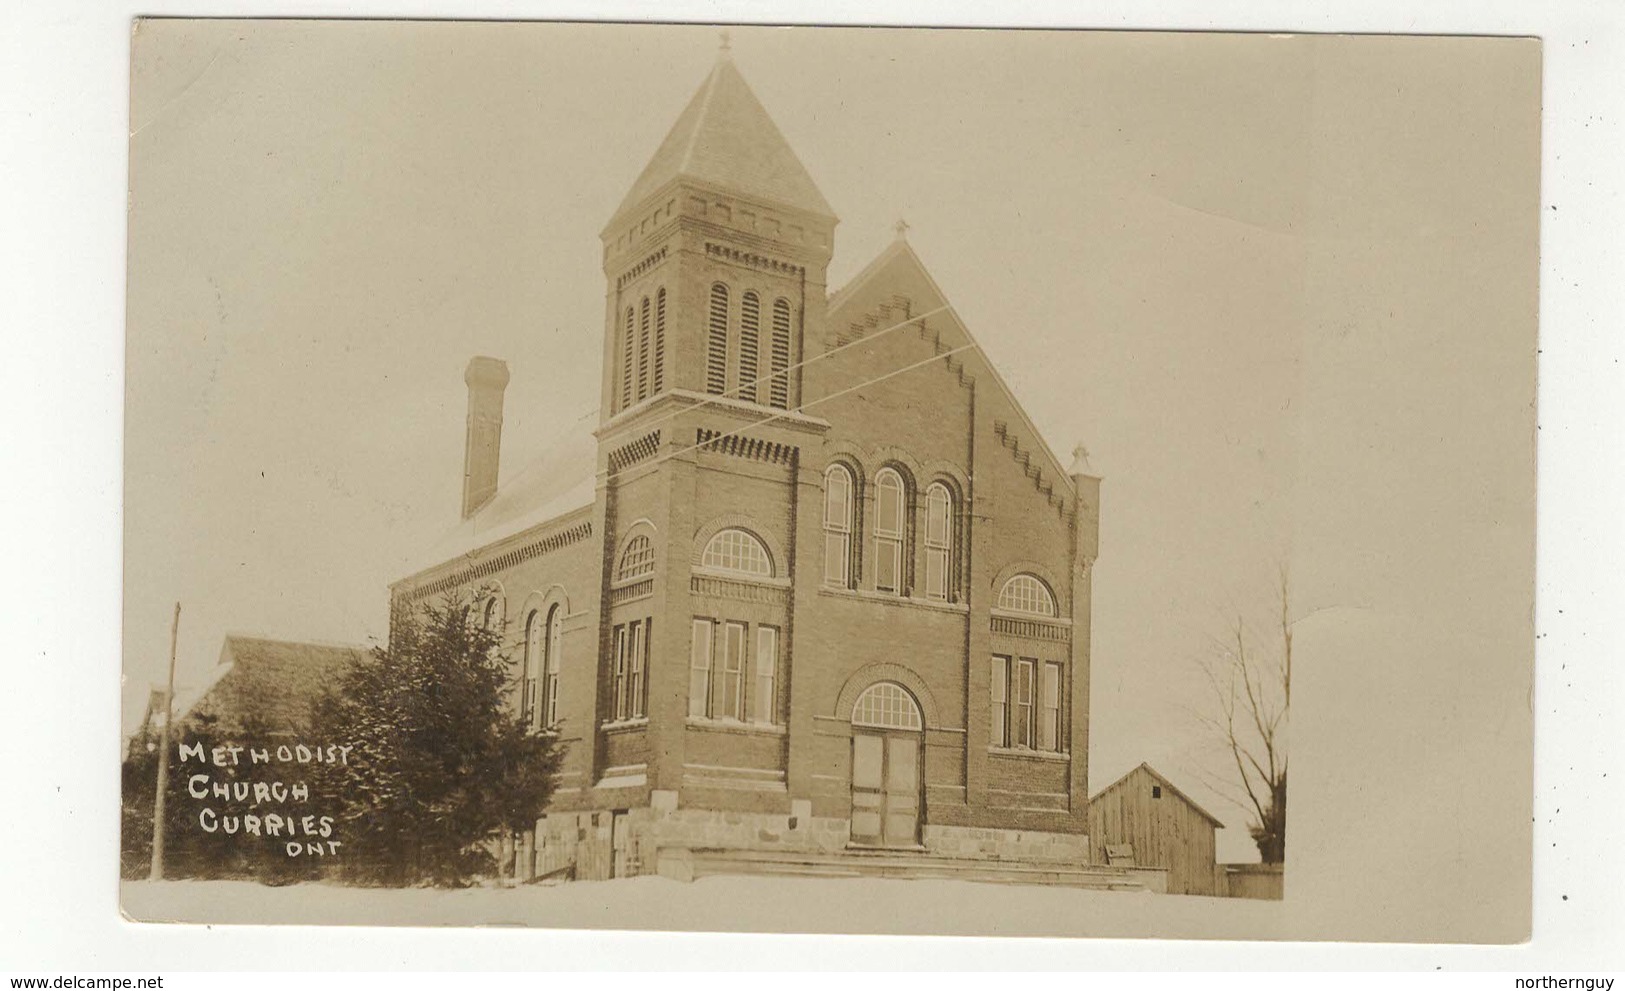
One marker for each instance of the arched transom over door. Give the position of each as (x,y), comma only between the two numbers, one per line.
(887,737)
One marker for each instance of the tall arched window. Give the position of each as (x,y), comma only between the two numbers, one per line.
(716,347)
(535,649)
(626,361)
(1028,594)
(939,514)
(550,678)
(491,616)
(779,389)
(637,560)
(838,489)
(660,341)
(643,349)
(888,531)
(737,551)
(750,337)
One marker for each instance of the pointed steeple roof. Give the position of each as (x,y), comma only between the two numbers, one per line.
(725,137)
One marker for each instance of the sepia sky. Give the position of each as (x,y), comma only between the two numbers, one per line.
(1142,231)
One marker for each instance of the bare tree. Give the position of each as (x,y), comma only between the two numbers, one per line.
(1252,688)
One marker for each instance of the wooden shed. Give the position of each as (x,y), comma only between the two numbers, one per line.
(1142,819)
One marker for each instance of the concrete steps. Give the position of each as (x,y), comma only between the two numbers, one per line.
(906,864)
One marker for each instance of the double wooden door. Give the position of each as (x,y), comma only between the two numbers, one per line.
(885,787)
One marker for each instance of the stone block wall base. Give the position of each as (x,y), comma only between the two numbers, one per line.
(660,839)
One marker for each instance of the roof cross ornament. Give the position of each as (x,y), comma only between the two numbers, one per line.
(727,44)
(901,228)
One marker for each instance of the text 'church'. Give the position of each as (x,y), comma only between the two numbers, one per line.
(814,595)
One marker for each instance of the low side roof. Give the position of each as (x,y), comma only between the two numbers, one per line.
(559,481)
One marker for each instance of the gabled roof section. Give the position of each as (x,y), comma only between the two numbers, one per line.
(724,137)
(1162,780)
(899,271)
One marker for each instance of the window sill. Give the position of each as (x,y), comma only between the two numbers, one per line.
(744,578)
(1029,617)
(624,725)
(890,599)
(1058,756)
(735,726)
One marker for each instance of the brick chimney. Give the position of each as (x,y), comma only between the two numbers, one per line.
(487,378)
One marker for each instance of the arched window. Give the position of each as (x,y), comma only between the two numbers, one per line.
(539,694)
(534,660)
(750,336)
(550,678)
(1028,594)
(637,560)
(838,526)
(491,616)
(939,514)
(643,349)
(626,361)
(888,531)
(716,348)
(779,359)
(889,705)
(737,551)
(660,342)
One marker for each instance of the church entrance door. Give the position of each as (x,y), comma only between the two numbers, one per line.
(887,767)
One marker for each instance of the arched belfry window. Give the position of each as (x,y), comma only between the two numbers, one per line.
(889,500)
(737,551)
(779,358)
(643,350)
(637,559)
(889,705)
(838,489)
(628,353)
(750,338)
(716,346)
(660,341)
(1027,594)
(939,542)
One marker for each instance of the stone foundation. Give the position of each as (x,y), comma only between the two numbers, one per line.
(602,845)
(1026,846)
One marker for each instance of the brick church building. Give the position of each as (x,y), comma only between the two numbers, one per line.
(813,592)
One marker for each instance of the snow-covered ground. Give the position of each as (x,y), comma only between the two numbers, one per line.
(740,904)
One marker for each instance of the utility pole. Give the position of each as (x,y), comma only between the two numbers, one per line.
(163,756)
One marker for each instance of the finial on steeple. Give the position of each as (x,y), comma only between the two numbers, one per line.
(902,229)
(725,49)
(1080,461)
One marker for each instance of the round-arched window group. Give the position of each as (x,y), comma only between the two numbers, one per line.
(539,687)
(891,535)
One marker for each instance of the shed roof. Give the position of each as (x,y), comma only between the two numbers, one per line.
(1163,780)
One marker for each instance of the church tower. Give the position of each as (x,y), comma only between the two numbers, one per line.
(715,261)
(715,267)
